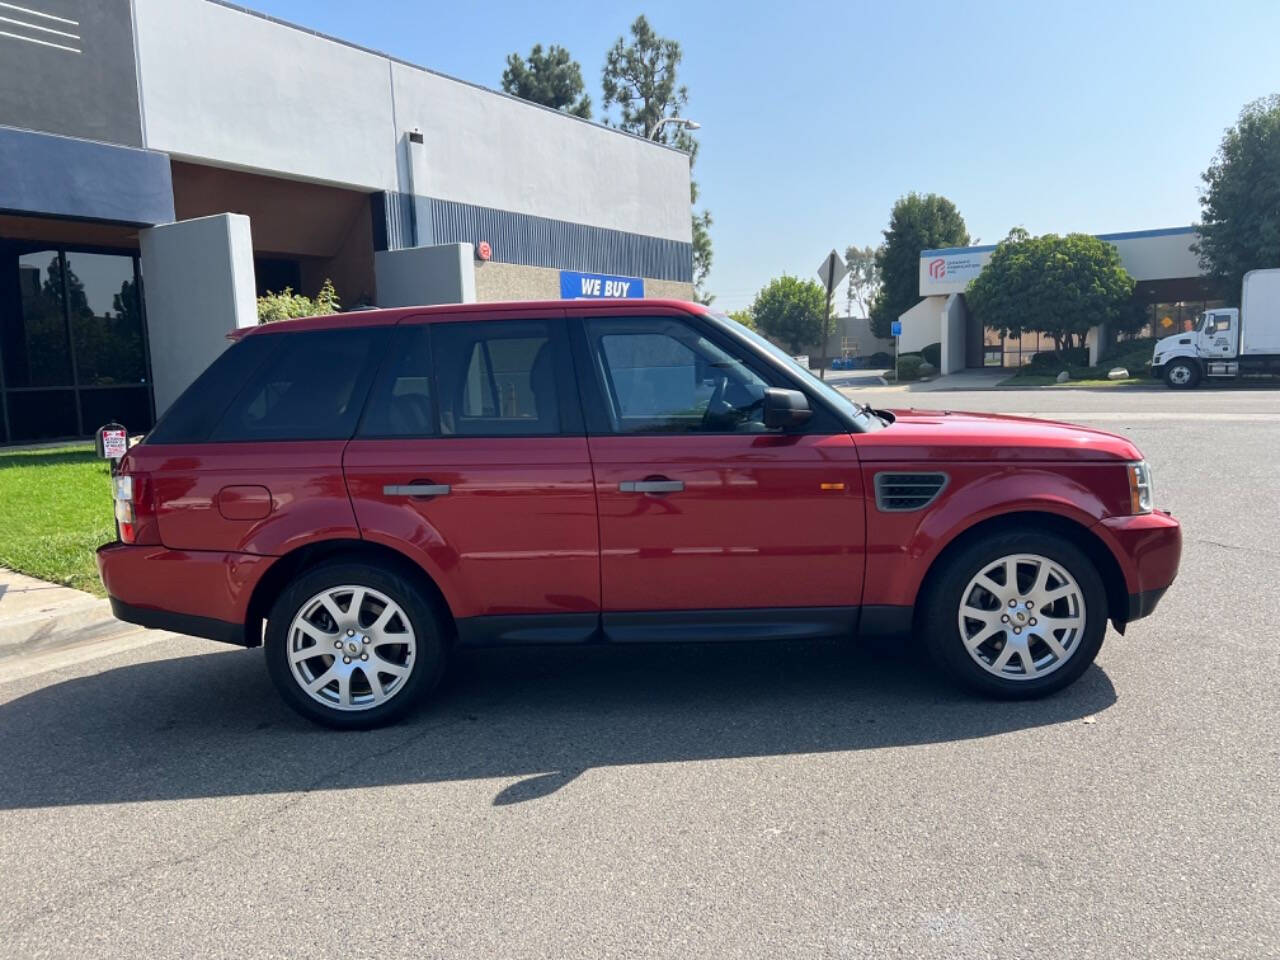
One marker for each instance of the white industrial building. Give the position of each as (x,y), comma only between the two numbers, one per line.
(1170,285)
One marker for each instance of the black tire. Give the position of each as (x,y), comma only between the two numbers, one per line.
(1182,374)
(426,665)
(940,628)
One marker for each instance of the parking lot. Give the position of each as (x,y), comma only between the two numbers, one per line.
(807,800)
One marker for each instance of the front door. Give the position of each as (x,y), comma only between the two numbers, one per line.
(745,531)
(1221,336)
(471,454)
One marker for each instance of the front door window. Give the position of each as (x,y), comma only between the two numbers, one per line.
(663,376)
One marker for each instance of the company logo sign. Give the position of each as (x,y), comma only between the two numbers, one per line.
(599,286)
(946,272)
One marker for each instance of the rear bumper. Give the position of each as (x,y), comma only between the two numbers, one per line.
(200,593)
(221,630)
(1148,548)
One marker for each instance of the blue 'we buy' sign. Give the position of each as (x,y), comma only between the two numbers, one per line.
(599,286)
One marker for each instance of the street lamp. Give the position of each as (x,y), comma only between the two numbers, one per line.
(681,121)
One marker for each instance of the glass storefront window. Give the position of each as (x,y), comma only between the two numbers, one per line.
(34,340)
(106,319)
(41,414)
(70,320)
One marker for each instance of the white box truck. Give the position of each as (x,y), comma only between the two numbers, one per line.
(1227,342)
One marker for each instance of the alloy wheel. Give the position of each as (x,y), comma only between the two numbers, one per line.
(1022,616)
(351,647)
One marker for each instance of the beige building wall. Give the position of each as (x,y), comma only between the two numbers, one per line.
(511,281)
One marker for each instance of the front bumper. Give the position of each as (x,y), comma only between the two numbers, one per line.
(1148,548)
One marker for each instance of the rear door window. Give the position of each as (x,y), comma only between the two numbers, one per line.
(401,402)
(311,388)
(501,378)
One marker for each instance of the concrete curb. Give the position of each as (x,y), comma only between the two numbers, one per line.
(36,616)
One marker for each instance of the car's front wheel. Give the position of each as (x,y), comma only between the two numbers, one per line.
(353,646)
(1016,615)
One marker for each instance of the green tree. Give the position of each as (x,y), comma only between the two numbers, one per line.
(1057,286)
(918,222)
(551,78)
(640,78)
(791,311)
(1240,205)
(744,317)
(864,279)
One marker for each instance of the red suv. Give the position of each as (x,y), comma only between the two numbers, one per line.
(360,493)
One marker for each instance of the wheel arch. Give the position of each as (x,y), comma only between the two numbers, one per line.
(286,568)
(1094,547)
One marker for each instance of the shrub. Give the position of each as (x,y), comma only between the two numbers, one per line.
(879,359)
(286,304)
(1127,349)
(909,365)
(1047,361)
(932,354)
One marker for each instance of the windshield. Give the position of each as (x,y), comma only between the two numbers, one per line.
(866,419)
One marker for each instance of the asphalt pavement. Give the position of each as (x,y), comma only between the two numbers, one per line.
(798,800)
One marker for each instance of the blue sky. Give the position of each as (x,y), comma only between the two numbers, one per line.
(1088,116)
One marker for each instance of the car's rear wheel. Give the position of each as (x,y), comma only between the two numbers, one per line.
(1016,615)
(1182,374)
(353,646)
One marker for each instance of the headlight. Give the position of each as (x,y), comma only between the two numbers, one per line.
(1156,361)
(1141,493)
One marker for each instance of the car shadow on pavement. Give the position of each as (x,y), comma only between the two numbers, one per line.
(211,725)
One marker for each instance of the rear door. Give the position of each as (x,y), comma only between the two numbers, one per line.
(706,514)
(472,456)
(249,459)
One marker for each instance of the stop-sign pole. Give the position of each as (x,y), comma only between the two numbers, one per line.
(831,271)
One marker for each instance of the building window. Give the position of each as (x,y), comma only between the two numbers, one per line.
(73,348)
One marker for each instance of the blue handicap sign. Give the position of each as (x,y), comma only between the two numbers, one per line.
(895,328)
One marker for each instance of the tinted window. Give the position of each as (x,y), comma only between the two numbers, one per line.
(311,388)
(36,351)
(106,319)
(400,402)
(664,376)
(193,415)
(497,379)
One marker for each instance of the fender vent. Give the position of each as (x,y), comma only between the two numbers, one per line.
(898,492)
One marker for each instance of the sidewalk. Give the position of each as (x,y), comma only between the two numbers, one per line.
(41,621)
(964,380)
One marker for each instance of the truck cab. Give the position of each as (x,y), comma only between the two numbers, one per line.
(1184,358)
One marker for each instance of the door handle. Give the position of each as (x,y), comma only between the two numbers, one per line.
(415,489)
(651,486)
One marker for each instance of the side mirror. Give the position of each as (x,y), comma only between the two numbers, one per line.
(785,408)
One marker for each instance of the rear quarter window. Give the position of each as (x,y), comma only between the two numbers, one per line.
(311,387)
(198,409)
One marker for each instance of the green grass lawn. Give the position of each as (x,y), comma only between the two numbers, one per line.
(55,509)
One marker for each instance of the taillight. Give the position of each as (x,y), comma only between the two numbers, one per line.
(135,508)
